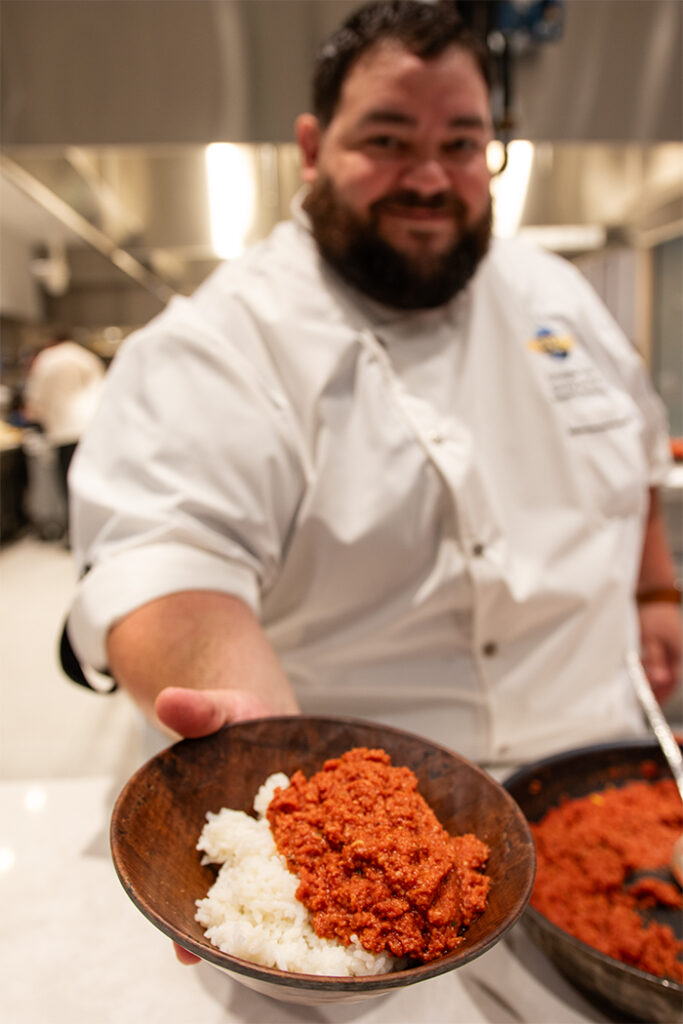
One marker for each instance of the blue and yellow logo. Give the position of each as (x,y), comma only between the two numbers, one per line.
(558,346)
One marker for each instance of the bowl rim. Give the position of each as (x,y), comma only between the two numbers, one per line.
(610,962)
(373,982)
(645,745)
(635,743)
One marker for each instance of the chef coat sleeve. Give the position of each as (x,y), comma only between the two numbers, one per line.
(188,477)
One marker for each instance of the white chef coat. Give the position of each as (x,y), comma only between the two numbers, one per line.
(437,516)
(62,390)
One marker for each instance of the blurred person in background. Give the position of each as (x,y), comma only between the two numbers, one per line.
(62,390)
(384,465)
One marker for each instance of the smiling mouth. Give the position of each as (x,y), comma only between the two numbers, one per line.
(435,211)
(418,213)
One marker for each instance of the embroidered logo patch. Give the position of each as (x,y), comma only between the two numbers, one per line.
(547,341)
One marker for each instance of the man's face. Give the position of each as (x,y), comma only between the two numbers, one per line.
(400,200)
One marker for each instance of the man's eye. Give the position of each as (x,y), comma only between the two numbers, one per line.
(464,146)
(387,143)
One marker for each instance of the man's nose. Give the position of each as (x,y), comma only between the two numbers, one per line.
(426,177)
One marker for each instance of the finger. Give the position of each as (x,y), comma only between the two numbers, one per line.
(194,713)
(184,956)
(191,712)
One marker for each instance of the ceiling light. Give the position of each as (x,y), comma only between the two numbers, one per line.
(566,237)
(230,179)
(509,188)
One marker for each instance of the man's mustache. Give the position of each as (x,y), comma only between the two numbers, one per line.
(442,201)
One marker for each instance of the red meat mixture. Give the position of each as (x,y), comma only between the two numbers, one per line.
(588,850)
(373,861)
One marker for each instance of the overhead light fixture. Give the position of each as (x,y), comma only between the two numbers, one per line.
(566,237)
(230,177)
(509,188)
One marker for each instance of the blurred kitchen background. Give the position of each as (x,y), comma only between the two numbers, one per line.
(144,141)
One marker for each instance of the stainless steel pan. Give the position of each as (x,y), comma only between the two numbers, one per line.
(542,785)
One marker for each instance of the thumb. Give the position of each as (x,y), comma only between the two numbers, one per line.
(193,713)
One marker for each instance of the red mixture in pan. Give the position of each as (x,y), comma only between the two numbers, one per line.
(373,860)
(594,855)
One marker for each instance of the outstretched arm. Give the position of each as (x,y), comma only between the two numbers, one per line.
(197,660)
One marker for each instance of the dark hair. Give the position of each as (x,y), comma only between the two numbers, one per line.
(425,29)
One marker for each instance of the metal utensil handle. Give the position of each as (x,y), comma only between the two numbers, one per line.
(660,726)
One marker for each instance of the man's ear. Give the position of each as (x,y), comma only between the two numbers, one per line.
(307,130)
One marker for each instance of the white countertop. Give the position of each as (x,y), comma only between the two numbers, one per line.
(75,948)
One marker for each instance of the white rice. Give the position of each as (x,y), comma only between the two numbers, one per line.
(251,910)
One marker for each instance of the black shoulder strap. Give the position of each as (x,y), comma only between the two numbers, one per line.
(73,669)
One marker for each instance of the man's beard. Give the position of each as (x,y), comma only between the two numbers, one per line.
(357,252)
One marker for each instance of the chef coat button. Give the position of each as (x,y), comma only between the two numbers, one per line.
(477,549)
(436,437)
(489,649)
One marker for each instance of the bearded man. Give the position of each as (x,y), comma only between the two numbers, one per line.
(383,465)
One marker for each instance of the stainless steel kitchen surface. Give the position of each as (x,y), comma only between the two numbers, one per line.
(154,202)
(199,71)
(108,109)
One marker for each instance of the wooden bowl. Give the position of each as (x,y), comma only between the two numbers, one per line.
(538,787)
(160,812)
